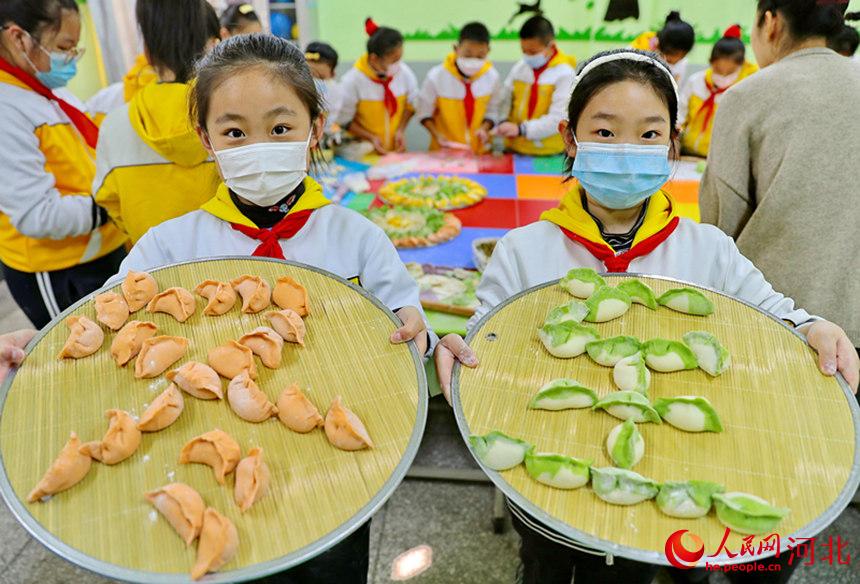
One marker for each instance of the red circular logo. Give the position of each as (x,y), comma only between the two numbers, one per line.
(681,557)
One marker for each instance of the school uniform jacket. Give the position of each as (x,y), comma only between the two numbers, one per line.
(46,211)
(647,41)
(443,98)
(553,92)
(362,100)
(150,164)
(666,245)
(700,99)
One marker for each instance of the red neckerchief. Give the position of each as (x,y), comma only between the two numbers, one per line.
(468,102)
(710,105)
(389,99)
(284,229)
(81,121)
(620,263)
(533,95)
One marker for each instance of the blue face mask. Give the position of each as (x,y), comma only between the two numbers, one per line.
(620,176)
(61,72)
(535,61)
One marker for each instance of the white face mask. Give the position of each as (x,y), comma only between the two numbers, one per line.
(724,80)
(393,69)
(470,65)
(535,61)
(264,173)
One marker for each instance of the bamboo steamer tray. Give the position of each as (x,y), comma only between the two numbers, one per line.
(790,433)
(318,494)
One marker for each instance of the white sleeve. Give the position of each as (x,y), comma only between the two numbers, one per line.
(547,125)
(147,254)
(684,103)
(334,97)
(506,97)
(499,282)
(106,100)
(426,100)
(385,276)
(496,104)
(743,280)
(411,89)
(348,100)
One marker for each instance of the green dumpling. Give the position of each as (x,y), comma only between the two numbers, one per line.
(566,339)
(639,292)
(606,304)
(622,487)
(631,374)
(625,445)
(667,356)
(689,412)
(574,310)
(688,301)
(748,514)
(582,282)
(563,394)
(557,470)
(628,405)
(713,358)
(687,500)
(608,352)
(499,451)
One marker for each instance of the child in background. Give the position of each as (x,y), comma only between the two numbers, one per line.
(149,141)
(379,93)
(704,90)
(618,135)
(536,91)
(673,42)
(846,41)
(458,101)
(115,95)
(322,60)
(239,19)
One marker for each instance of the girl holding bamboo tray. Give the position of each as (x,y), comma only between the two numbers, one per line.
(258,114)
(618,135)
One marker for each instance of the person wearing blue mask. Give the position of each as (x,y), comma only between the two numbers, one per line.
(619,136)
(56,243)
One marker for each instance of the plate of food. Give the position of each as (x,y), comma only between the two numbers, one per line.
(618,410)
(411,227)
(229,418)
(436,192)
(443,289)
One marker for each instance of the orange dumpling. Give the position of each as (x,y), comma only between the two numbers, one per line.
(220,295)
(128,341)
(120,441)
(111,310)
(177,302)
(266,344)
(85,338)
(67,470)
(231,358)
(138,288)
(157,354)
(255,292)
(163,411)
(290,294)
(198,380)
(216,449)
(219,542)
(252,479)
(248,401)
(289,325)
(343,428)
(182,506)
(297,412)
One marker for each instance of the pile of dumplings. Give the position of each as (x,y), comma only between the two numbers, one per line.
(632,361)
(154,355)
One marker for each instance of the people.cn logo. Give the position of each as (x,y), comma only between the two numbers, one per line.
(678,554)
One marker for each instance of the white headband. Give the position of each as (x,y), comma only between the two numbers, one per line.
(624,56)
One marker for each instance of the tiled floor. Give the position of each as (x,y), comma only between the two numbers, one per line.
(454,519)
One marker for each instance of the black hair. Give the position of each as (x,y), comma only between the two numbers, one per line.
(537,27)
(383,41)
(729,48)
(176,33)
(475,32)
(846,41)
(326,53)
(676,36)
(237,14)
(35,16)
(807,18)
(655,74)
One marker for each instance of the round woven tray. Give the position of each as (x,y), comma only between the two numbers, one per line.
(318,494)
(790,433)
